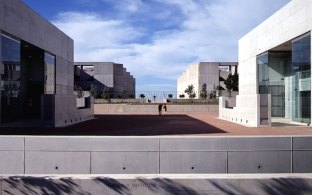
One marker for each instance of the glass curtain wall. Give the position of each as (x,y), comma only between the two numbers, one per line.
(10,78)
(287,77)
(301,79)
(27,72)
(273,67)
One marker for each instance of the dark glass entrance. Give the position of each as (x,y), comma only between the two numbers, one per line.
(32,77)
(27,72)
(10,79)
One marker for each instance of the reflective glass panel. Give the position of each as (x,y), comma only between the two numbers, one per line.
(10,78)
(49,69)
(301,81)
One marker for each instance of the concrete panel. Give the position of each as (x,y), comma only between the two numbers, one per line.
(124,162)
(221,144)
(259,162)
(302,161)
(90,144)
(192,162)
(57,162)
(58,47)
(302,143)
(37,28)
(70,51)
(11,143)
(16,20)
(1,14)
(11,162)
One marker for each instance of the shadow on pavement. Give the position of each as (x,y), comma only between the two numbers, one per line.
(123,125)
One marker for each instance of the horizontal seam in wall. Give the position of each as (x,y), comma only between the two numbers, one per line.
(273,150)
(89,151)
(277,150)
(12,150)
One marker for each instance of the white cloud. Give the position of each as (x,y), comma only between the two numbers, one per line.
(126,5)
(209,32)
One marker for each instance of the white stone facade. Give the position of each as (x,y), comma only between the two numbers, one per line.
(290,22)
(204,73)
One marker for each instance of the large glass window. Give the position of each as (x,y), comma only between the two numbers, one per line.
(10,78)
(272,68)
(286,76)
(263,73)
(49,71)
(301,87)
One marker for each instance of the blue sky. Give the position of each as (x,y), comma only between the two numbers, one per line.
(156,39)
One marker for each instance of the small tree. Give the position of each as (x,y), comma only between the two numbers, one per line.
(213,93)
(105,94)
(219,91)
(79,91)
(231,83)
(182,96)
(190,91)
(93,91)
(235,82)
(203,92)
(154,97)
(142,96)
(170,96)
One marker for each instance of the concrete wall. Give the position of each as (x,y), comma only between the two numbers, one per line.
(22,22)
(189,77)
(209,75)
(125,108)
(158,184)
(67,112)
(112,75)
(199,74)
(155,155)
(293,20)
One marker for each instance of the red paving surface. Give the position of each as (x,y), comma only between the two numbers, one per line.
(146,124)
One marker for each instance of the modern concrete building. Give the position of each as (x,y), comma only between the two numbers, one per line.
(275,69)
(37,77)
(108,76)
(212,74)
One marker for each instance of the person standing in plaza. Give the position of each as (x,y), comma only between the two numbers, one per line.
(165,108)
(160,109)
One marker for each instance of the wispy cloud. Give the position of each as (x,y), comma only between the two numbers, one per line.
(162,44)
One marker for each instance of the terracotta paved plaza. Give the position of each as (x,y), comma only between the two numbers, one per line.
(147,124)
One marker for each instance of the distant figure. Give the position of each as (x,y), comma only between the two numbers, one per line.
(159,109)
(165,108)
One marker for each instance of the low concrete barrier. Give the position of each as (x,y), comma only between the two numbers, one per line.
(158,184)
(153,108)
(155,155)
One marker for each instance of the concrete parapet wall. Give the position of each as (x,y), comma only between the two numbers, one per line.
(64,110)
(158,184)
(120,101)
(153,108)
(242,113)
(155,155)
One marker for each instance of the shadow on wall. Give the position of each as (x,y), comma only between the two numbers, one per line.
(39,185)
(105,185)
(121,125)
(280,186)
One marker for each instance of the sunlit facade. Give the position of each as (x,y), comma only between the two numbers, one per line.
(275,70)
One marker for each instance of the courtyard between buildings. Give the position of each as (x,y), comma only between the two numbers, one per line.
(172,123)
